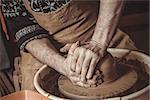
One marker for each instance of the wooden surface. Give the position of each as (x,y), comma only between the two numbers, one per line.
(24,95)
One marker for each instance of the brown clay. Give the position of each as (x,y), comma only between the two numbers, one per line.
(50,84)
(108,68)
(117,79)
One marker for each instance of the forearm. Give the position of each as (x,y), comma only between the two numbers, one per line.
(44,51)
(108,18)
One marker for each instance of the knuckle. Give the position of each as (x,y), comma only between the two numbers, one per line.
(75,57)
(77,50)
(95,54)
(84,49)
(89,51)
(95,58)
(68,44)
(92,53)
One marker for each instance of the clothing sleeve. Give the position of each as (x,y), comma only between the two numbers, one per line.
(29,33)
(21,26)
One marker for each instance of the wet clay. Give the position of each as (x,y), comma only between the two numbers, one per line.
(49,81)
(104,90)
(116,79)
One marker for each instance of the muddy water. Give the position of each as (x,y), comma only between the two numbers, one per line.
(48,81)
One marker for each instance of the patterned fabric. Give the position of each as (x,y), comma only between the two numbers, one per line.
(46,6)
(13,8)
(26,30)
(21,26)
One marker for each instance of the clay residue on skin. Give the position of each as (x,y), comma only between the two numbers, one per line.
(49,81)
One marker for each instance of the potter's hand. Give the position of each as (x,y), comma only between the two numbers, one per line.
(84,62)
(72,75)
(93,82)
(95,47)
(85,59)
(68,62)
(97,52)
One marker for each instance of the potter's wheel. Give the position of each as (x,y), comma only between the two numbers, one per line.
(102,91)
(46,84)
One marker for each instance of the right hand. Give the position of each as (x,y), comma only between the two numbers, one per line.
(76,78)
(95,81)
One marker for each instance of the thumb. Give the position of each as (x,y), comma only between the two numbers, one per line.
(66,48)
(69,46)
(73,47)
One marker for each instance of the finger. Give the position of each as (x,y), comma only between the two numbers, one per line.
(65,48)
(73,47)
(80,61)
(75,79)
(85,67)
(74,74)
(83,84)
(74,60)
(69,62)
(93,80)
(92,67)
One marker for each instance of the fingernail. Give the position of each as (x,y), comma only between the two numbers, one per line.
(88,77)
(77,42)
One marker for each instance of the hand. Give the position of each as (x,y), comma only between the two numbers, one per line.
(91,45)
(93,53)
(68,62)
(95,81)
(75,73)
(84,62)
(95,47)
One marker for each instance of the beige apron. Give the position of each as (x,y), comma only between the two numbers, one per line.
(73,22)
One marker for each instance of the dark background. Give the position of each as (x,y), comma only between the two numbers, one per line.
(135,22)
